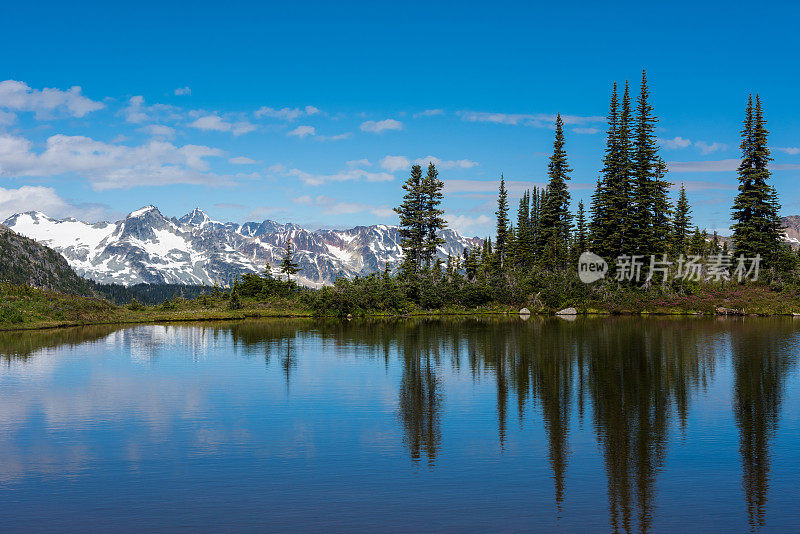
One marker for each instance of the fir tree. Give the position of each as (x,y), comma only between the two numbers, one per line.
(289,267)
(523,257)
(757,227)
(502,223)
(651,206)
(431,214)
(681,224)
(555,219)
(412,223)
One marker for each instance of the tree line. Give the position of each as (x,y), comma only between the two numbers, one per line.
(631,212)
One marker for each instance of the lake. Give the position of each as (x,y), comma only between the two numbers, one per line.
(595,424)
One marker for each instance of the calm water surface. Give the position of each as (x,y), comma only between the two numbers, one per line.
(610,425)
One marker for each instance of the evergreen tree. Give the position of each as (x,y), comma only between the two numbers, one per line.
(555,219)
(757,226)
(681,224)
(611,201)
(413,228)
(289,267)
(431,214)
(502,223)
(524,250)
(651,206)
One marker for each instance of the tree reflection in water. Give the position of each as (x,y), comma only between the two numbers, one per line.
(634,379)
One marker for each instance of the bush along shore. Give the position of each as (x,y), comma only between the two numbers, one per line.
(255,296)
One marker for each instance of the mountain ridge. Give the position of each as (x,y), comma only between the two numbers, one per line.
(148,247)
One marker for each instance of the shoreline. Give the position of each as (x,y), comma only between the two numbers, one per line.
(215,315)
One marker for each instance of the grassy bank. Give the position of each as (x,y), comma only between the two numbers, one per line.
(26,308)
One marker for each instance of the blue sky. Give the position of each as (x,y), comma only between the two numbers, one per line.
(311,112)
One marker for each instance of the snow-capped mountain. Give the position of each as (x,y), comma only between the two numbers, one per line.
(148,247)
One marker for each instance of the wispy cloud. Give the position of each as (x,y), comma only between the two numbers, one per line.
(708,148)
(303,131)
(536,120)
(286,114)
(398,163)
(675,143)
(138,112)
(429,113)
(219,124)
(359,163)
(349,175)
(791,150)
(723,165)
(588,131)
(158,130)
(381,126)
(242,160)
(334,206)
(183,91)
(44,103)
(491,186)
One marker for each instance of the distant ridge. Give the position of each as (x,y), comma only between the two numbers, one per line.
(147,247)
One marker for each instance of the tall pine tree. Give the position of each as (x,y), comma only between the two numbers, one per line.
(412,223)
(501,239)
(555,220)
(431,214)
(651,205)
(681,224)
(757,227)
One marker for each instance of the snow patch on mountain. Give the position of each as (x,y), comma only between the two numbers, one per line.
(147,247)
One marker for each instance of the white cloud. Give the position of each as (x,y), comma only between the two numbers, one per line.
(7,118)
(464,223)
(587,131)
(359,163)
(303,131)
(343,176)
(380,126)
(18,96)
(725,165)
(181,91)
(241,160)
(429,113)
(158,130)
(395,163)
(111,166)
(220,124)
(399,163)
(339,137)
(333,206)
(537,120)
(446,164)
(675,142)
(708,148)
(286,114)
(791,150)
(513,186)
(45,200)
(138,112)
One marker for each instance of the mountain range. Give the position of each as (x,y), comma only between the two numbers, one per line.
(147,247)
